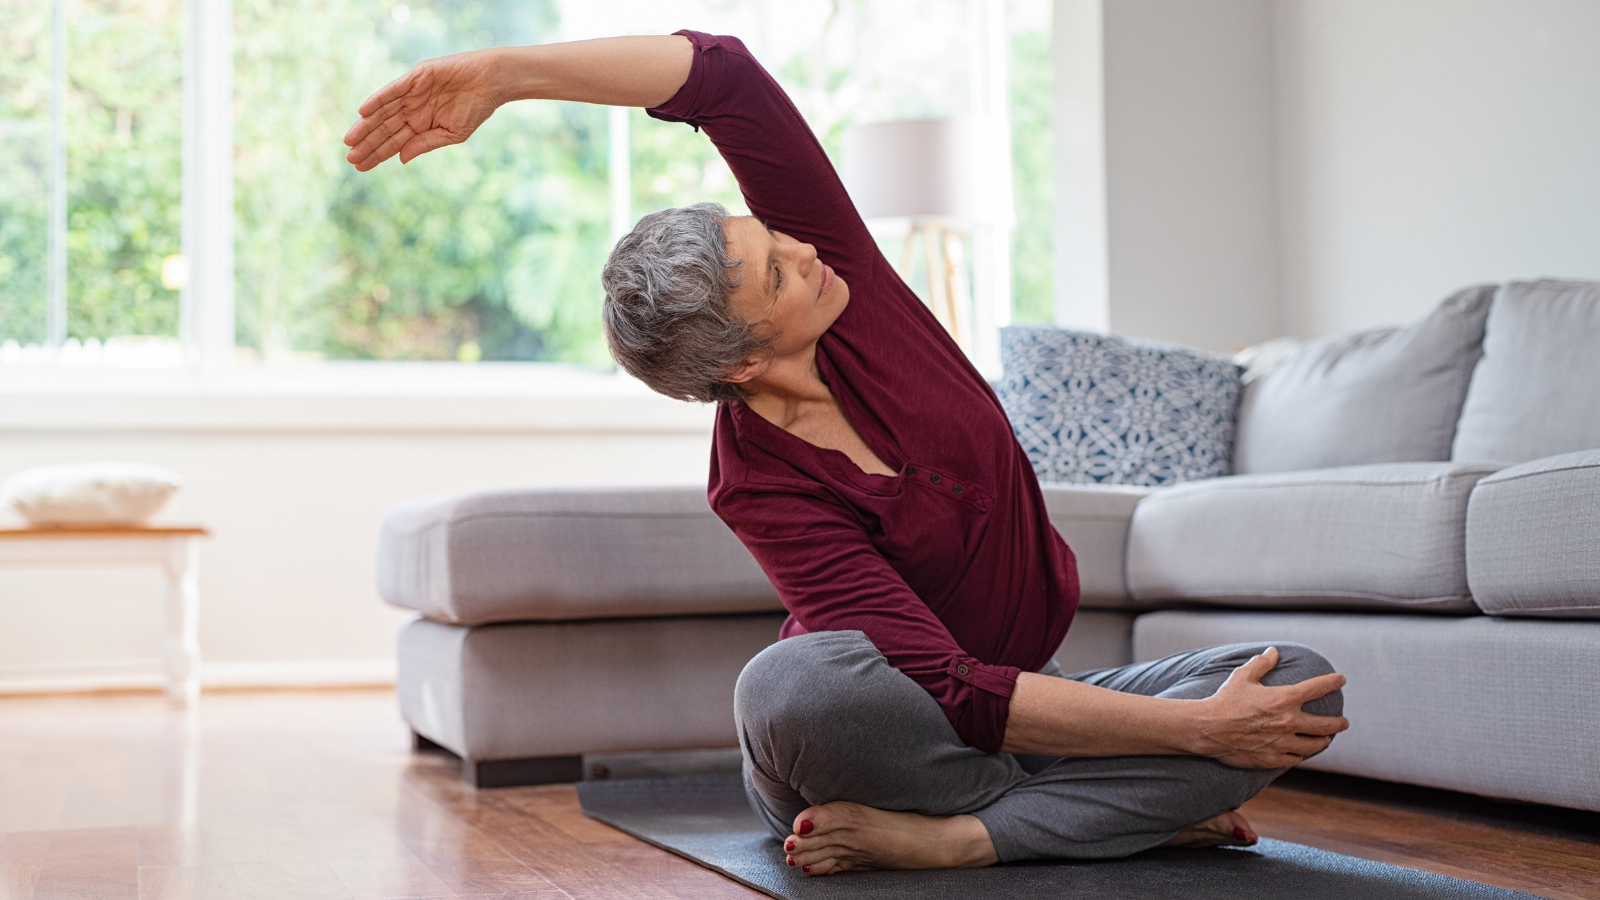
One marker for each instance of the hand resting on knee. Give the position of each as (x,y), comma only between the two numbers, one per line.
(1245,724)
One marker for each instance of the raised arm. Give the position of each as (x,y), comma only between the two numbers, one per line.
(787,179)
(710,82)
(443,101)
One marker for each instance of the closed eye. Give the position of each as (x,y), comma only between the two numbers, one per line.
(777,272)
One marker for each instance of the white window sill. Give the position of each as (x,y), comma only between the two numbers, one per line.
(342,397)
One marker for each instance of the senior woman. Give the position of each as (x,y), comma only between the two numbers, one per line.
(912,717)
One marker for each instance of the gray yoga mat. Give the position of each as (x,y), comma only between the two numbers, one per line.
(708,821)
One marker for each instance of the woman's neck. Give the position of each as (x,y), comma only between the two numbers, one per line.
(790,387)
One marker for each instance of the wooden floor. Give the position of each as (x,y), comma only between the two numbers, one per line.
(311,795)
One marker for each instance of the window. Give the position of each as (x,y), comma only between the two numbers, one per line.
(1032,271)
(485,251)
(90,200)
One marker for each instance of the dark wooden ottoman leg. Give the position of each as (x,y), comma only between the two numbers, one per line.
(420,744)
(490,773)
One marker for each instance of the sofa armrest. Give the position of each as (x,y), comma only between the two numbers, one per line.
(548,554)
(1093,520)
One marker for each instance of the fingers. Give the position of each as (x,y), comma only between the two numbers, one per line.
(1303,745)
(1320,686)
(1318,726)
(390,92)
(366,126)
(390,146)
(381,133)
(380,108)
(424,142)
(1257,666)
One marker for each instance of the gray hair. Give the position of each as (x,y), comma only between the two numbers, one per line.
(667,317)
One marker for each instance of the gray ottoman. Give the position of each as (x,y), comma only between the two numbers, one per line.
(555,623)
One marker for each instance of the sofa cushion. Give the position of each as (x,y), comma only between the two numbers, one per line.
(1093,520)
(1533,538)
(551,553)
(1387,536)
(1534,392)
(1491,706)
(1098,639)
(1102,409)
(1391,395)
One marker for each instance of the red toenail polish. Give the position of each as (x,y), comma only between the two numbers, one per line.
(806,869)
(789,847)
(1239,833)
(805,827)
(790,861)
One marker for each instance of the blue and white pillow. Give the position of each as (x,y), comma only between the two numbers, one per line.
(1102,409)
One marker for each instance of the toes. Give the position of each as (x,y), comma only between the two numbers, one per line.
(810,856)
(825,867)
(1240,828)
(822,819)
(806,822)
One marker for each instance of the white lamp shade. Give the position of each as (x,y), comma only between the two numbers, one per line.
(929,168)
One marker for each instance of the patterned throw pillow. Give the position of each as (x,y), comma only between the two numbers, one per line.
(1096,408)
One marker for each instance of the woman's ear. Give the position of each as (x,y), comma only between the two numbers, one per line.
(753,366)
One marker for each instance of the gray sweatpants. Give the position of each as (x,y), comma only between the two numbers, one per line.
(824,717)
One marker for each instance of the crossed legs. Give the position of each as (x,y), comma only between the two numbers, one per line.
(824,718)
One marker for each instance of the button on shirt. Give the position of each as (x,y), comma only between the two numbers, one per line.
(951,568)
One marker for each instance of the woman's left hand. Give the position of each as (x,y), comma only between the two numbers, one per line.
(1249,725)
(439,102)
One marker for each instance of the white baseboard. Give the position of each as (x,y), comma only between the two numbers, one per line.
(138,674)
(297,673)
(109,675)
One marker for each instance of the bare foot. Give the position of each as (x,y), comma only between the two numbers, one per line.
(1227,830)
(840,836)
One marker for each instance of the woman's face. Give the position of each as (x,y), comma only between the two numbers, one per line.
(784,288)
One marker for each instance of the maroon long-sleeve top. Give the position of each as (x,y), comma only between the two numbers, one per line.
(951,567)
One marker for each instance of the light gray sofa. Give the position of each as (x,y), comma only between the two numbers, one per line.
(1422,505)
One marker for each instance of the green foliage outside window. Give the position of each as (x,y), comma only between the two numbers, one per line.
(487,250)
(124,116)
(1032,275)
(24,168)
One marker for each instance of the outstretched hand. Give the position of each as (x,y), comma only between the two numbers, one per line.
(1250,725)
(439,102)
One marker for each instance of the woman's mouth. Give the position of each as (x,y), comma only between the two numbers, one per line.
(827,281)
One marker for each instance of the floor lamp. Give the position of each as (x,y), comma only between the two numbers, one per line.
(944,258)
(930,172)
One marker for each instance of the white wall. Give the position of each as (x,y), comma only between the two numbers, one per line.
(1430,144)
(1192,211)
(294,489)
(1166,210)
(1230,170)
(1078,122)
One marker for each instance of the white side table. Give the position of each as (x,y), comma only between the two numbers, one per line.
(175,550)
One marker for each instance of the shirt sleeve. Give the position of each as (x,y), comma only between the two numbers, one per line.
(831,578)
(785,176)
